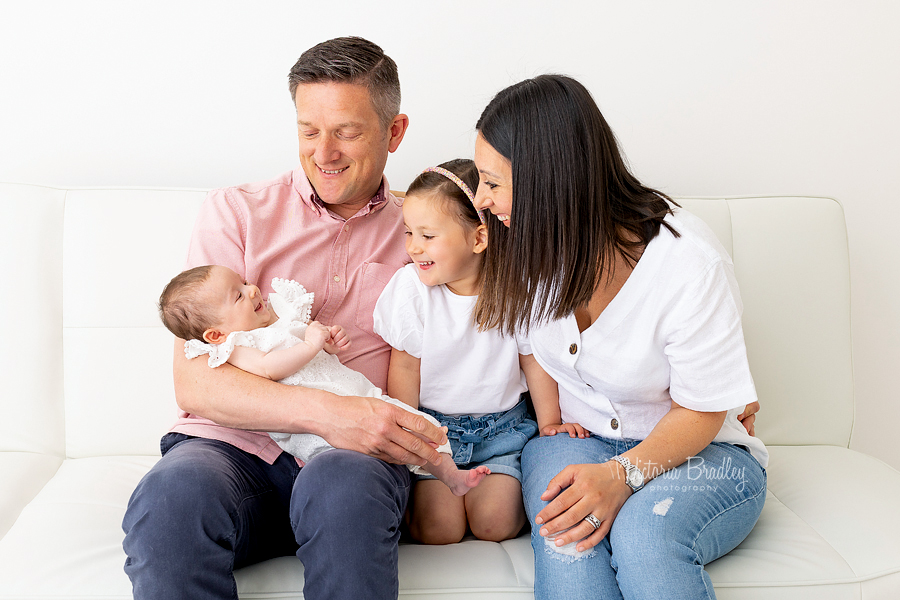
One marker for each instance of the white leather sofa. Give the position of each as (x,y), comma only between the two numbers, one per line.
(85,370)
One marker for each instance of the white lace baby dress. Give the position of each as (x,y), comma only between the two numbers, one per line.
(293,305)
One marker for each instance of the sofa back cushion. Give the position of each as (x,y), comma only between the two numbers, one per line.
(31,356)
(120,249)
(792,264)
(87,363)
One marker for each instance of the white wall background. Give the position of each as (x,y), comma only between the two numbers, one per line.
(707,98)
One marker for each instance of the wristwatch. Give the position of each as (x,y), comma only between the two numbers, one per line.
(633,476)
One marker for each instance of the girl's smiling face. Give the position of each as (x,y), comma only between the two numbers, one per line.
(495,187)
(442,248)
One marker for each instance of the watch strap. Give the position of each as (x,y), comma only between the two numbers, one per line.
(626,464)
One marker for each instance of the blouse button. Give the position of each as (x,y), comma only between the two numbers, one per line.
(573,348)
(614,424)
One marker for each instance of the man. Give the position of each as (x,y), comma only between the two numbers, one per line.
(224,495)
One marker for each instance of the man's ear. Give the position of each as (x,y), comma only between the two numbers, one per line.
(481,239)
(213,336)
(396,131)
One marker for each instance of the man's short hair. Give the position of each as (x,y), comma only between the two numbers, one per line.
(352,60)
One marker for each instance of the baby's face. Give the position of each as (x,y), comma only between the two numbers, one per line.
(239,305)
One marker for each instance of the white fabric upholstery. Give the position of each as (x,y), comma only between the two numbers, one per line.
(87,394)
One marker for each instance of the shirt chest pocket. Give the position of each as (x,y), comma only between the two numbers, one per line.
(375,276)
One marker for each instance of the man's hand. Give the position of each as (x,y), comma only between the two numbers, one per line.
(382,430)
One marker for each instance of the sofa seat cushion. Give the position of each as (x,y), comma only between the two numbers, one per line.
(828,530)
(23,475)
(67,543)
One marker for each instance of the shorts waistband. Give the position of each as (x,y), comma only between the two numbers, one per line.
(474,430)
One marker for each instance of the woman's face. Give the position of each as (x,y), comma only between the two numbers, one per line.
(495,186)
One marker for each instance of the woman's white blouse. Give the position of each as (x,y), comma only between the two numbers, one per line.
(462,371)
(673,332)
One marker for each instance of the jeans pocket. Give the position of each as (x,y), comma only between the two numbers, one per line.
(172,439)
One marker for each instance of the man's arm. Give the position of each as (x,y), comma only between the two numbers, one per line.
(234,398)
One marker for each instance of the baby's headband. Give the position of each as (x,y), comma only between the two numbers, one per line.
(461,184)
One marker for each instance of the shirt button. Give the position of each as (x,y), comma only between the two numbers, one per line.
(614,424)
(573,348)
(336,278)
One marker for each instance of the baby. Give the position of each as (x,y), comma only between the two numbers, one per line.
(220,314)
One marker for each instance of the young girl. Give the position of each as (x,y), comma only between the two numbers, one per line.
(470,380)
(220,314)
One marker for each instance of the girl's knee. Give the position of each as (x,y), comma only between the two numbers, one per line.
(497,531)
(496,522)
(437,528)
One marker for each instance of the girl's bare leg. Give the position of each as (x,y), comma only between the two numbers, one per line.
(438,516)
(495,509)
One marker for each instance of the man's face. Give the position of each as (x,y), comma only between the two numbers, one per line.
(343,145)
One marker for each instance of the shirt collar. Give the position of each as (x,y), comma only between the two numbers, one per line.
(309,196)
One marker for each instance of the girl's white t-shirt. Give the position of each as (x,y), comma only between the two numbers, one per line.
(673,332)
(463,371)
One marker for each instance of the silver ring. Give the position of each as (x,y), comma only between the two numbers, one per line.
(594,521)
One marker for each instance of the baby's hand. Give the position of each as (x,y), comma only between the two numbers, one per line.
(339,340)
(316,335)
(573,429)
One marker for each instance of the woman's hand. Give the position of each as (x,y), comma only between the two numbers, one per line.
(580,490)
(573,429)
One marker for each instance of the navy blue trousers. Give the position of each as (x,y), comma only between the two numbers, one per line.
(207,508)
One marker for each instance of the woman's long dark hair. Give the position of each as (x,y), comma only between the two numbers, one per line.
(575,204)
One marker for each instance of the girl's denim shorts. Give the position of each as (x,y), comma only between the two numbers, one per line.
(494,440)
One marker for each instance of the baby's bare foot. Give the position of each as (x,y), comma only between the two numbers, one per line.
(463,481)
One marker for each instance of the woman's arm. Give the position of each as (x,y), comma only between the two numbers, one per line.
(600,489)
(234,398)
(404,378)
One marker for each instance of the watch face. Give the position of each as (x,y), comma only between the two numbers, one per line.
(635,478)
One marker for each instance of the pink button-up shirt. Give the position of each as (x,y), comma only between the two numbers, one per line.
(280,229)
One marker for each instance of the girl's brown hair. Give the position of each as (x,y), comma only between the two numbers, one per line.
(461,206)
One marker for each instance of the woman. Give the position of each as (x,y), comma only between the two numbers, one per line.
(632,306)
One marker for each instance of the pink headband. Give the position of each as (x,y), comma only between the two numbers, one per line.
(461,184)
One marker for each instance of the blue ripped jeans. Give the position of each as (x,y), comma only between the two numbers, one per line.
(664,533)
